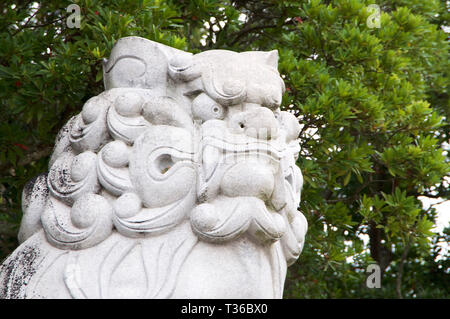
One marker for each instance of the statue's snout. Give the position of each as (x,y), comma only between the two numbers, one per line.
(258,122)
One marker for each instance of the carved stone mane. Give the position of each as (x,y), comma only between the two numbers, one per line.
(178,181)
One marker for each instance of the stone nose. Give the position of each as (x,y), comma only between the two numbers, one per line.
(258,122)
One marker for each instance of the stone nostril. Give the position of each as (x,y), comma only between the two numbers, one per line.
(261,123)
(258,122)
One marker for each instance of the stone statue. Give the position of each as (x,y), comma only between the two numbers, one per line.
(178,181)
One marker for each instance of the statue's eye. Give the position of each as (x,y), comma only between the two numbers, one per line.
(205,108)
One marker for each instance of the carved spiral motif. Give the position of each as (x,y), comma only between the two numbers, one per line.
(89,131)
(76,217)
(112,168)
(71,177)
(85,224)
(129,126)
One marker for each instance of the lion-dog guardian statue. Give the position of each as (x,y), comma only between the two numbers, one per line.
(178,181)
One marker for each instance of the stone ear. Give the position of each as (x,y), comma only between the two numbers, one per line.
(138,63)
(272,58)
(269,58)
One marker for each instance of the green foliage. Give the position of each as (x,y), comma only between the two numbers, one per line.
(373,103)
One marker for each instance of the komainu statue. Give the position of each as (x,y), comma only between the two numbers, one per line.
(178,181)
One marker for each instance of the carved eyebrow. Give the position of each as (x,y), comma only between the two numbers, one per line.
(193,93)
(112,63)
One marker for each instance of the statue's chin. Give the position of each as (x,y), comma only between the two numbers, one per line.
(228,218)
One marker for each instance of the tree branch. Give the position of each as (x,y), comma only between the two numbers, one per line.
(398,285)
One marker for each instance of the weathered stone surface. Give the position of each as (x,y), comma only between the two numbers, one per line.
(178,181)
